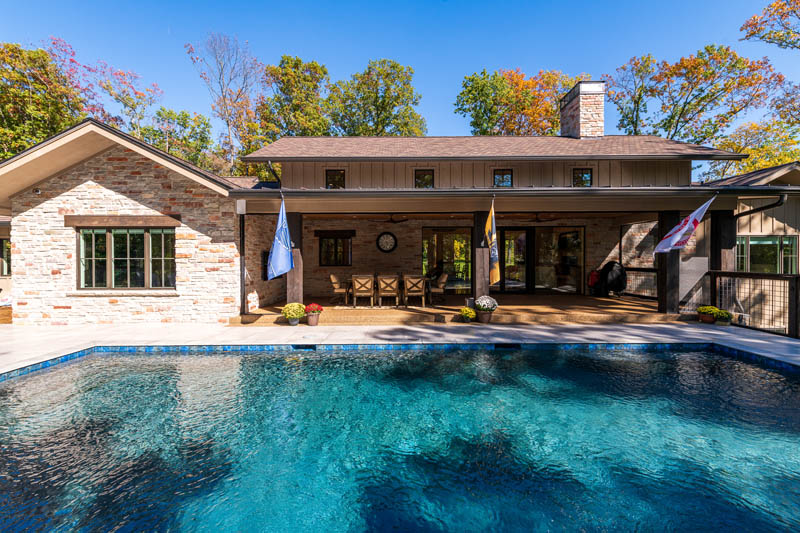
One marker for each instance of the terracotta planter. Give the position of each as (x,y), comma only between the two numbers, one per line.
(707,319)
(723,322)
(293,321)
(484,316)
(313,319)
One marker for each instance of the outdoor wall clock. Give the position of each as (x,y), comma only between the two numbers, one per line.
(386,242)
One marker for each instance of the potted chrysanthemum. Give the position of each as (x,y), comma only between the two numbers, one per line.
(707,314)
(312,314)
(485,306)
(293,312)
(467,314)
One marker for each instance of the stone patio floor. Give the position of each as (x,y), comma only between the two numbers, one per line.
(26,345)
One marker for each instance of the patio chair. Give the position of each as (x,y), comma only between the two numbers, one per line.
(388,286)
(413,286)
(437,288)
(364,286)
(340,287)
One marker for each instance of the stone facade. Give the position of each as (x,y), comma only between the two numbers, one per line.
(122,182)
(259,234)
(582,110)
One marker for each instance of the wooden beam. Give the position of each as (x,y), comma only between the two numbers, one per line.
(122,221)
(723,241)
(669,267)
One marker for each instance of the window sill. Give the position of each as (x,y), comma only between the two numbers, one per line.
(124,293)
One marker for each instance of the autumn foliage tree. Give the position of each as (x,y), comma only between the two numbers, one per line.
(134,100)
(182,134)
(767,143)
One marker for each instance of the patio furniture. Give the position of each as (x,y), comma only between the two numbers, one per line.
(413,286)
(437,288)
(340,287)
(389,286)
(364,287)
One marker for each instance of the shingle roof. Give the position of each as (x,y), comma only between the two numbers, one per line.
(756,177)
(485,147)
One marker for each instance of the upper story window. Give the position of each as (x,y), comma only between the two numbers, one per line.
(5,257)
(334,179)
(503,177)
(423,178)
(127,258)
(581,177)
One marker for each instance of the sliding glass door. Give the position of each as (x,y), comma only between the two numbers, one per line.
(448,251)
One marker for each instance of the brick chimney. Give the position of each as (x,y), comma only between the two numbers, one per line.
(582,110)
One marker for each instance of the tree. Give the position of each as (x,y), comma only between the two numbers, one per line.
(507,102)
(767,143)
(180,133)
(230,72)
(483,98)
(37,99)
(778,23)
(378,101)
(135,102)
(630,90)
(697,98)
(295,105)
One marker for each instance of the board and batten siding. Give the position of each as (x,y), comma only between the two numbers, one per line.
(478,174)
(783,220)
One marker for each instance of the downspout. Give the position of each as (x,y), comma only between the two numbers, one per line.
(781,200)
(274,174)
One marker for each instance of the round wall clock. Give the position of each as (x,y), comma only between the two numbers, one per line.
(386,242)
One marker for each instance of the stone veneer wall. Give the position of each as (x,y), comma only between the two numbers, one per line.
(583,116)
(121,182)
(259,234)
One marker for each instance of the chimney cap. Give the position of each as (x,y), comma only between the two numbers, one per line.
(583,87)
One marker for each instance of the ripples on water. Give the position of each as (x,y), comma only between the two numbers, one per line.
(437,441)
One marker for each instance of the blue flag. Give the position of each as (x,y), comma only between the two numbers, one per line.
(280,255)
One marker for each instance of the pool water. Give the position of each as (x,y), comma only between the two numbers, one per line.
(477,440)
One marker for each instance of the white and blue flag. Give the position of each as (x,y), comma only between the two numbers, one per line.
(280,255)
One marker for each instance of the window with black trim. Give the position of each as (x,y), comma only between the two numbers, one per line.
(767,254)
(503,177)
(581,177)
(335,247)
(423,178)
(5,257)
(127,258)
(334,179)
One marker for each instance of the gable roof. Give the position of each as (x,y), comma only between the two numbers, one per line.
(765,176)
(81,142)
(484,147)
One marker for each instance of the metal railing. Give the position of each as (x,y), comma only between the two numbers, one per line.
(768,302)
(642,282)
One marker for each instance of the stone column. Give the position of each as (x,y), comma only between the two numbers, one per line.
(294,278)
(722,253)
(669,267)
(480,256)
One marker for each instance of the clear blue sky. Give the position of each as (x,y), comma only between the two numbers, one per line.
(441,40)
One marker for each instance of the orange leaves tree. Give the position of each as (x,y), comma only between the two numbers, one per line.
(778,23)
(507,102)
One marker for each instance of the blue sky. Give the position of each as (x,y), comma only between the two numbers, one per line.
(442,40)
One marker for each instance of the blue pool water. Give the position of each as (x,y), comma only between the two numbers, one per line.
(472,440)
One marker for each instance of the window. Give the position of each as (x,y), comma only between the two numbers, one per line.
(127,258)
(334,179)
(5,257)
(423,178)
(335,247)
(503,177)
(768,254)
(581,177)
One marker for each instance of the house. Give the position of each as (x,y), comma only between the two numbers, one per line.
(106,229)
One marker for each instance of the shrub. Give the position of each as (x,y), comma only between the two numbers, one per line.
(707,310)
(313,309)
(486,304)
(467,313)
(293,310)
(721,314)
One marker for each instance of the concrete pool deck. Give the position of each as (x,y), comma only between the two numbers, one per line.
(23,346)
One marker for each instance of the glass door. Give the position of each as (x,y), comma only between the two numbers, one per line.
(514,260)
(559,259)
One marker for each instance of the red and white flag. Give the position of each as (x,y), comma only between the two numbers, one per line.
(680,234)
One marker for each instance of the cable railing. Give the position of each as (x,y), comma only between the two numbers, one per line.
(642,282)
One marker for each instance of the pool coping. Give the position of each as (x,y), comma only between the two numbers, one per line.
(188,349)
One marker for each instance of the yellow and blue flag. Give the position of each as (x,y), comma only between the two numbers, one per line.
(494,256)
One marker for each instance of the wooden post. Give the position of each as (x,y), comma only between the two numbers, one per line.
(480,255)
(294,278)
(242,268)
(723,241)
(669,267)
(794,304)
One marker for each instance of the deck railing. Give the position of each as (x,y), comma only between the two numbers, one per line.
(642,282)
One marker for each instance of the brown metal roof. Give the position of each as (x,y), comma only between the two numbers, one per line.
(765,176)
(486,147)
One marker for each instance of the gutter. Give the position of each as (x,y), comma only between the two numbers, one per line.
(781,200)
(564,157)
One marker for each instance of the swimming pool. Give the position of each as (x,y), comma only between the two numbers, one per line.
(444,440)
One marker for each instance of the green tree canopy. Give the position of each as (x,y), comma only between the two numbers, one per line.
(483,98)
(379,101)
(182,134)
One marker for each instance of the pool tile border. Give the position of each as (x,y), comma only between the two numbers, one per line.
(237,348)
